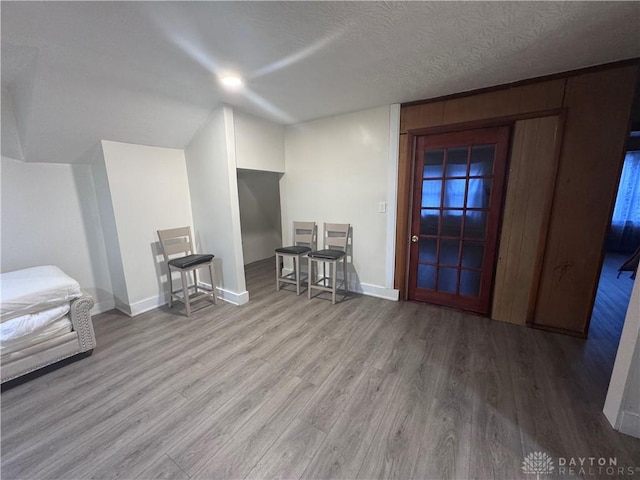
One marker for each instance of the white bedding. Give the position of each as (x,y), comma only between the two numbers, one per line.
(31,322)
(55,329)
(35,289)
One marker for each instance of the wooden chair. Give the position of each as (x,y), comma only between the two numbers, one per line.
(304,240)
(336,239)
(178,241)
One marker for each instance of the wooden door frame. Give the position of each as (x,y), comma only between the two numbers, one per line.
(406,180)
(500,137)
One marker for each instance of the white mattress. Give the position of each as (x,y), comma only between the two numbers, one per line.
(55,329)
(31,322)
(35,289)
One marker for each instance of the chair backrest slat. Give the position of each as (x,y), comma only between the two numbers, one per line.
(305,234)
(336,236)
(176,241)
(178,247)
(174,233)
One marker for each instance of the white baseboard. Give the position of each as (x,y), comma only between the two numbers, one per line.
(630,423)
(228,296)
(233,298)
(103,306)
(376,291)
(150,303)
(123,307)
(366,289)
(145,305)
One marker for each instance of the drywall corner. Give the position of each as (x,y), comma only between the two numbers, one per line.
(211,170)
(109,230)
(259,143)
(622,405)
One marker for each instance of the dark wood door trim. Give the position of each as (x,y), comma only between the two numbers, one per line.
(507,120)
(405,181)
(500,137)
(529,81)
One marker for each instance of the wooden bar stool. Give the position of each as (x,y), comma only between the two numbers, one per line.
(304,240)
(178,241)
(336,239)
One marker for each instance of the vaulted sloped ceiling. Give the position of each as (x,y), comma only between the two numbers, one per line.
(145,72)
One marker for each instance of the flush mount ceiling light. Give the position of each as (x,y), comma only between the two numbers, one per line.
(231,82)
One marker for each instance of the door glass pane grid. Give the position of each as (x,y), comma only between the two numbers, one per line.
(469,285)
(482,160)
(454,192)
(456,163)
(472,254)
(458,281)
(461,186)
(430,221)
(475,224)
(447,280)
(433,163)
(428,250)
(451,222)
(431,193)
(479,192)
(427,276)
(449,254)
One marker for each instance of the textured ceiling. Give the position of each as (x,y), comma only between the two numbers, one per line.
(144,72)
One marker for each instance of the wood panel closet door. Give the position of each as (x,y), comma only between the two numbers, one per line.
(457,199)
(525,217)
(598,107)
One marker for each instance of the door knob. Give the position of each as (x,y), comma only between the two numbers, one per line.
(414,239)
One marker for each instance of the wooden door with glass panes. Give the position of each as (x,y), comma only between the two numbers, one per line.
(457,200)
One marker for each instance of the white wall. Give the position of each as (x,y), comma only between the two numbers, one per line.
(259,143)
(211,167)
(259,196)
(109,229)
(149,191)
(10,138)
(338,170)
(622,406)
(50,217)
(17,108)
(630,418)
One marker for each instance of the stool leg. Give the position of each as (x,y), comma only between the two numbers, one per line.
(170,282)
(195,280)
(277,272)
(185,292)
(296,272)
(334,282)
(344,274)
(309,276)
(213,284)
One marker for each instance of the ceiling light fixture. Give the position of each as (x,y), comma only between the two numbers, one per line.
(232,82)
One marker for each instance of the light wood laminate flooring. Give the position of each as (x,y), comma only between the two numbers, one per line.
(286,387)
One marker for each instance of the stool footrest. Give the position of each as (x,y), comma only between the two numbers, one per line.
(326,284)
(198,292)
(291,279)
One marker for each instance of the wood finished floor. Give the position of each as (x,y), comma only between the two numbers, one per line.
(284,387)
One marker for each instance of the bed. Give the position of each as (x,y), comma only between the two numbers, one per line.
(44,320)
